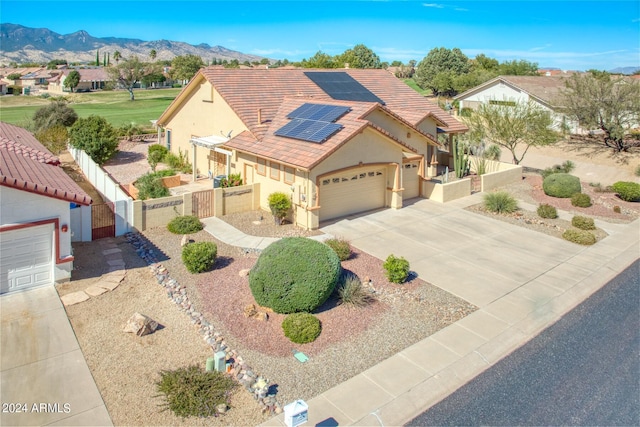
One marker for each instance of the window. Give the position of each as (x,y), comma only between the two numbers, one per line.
(261,166)
(289,175)
(168,132)
(505,103)
(274,171)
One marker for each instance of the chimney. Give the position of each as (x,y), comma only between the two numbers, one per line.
(259,116)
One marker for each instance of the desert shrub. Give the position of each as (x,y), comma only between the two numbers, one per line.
(156,154)
(581,200)
(583,222)
(178,162)
(627,191)
(566,167)
(351,291)
(186,224)
(128,130)
(341,247)
(199,257)
(233,180)
(617,209)
(547,211)
(301,328)
(561,185)
(581,237)
(150,186)
(396,269)
(500,202)
(294,274)
(279,203)
(192,392)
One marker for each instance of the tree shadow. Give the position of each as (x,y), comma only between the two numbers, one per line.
(223,262)
(124,157)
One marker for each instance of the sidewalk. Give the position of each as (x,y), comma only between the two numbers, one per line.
(522,281)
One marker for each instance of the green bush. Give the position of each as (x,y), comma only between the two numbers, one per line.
(547,211)
(581,237)
(95,136)
(187,224)
(396,269)
(192,392)
(351,291)
(581,200)
(500,202)
(233,180)
(150,186)
(279,203)
(561,185)
(627,191)
(583,222)
(199,257)
(301,328)
(178,162)
(566,167)
(341,247)
(294,274)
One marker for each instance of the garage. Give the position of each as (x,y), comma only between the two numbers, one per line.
(350,192)
(410,180)
(26,258)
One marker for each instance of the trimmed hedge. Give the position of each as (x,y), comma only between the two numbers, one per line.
(581,237)
(187,224)
(583,222)
(581,200)
(561,185)
(547,211)
(301,328)
(628,191)
(200,256)
(294,274)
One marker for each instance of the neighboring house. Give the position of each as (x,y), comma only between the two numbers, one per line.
(90,79)
(35,230)
(338,141)
(545,91)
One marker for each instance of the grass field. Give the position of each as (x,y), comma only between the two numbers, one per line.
(112,105)
(413,85)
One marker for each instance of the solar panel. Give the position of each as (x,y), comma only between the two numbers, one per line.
(340,85)
(308,130)
(321,112)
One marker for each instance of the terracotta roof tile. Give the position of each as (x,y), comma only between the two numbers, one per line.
(25,164)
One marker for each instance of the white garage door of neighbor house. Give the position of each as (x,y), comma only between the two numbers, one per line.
(410,180)
(26,258)
(352,192)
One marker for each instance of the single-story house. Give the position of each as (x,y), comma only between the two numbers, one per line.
(35,230)
(338,141)
(90,79)
(545,91)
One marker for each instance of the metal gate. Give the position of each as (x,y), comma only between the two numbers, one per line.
(202,203)
(103,221)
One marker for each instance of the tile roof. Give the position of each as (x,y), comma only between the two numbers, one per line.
(25,164)
(547,89)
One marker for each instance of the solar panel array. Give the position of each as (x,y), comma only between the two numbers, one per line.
(340,85)
(313,122)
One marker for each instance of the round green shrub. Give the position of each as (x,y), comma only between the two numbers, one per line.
(396,269)
(583,222)
(628,191)
(301,328)
(581,200)
(294,274)
(547,211)
(199,257)
(561,185)
(279,203)
(341,247)
(581,237)
(187,224)
(500,202)
(192,392)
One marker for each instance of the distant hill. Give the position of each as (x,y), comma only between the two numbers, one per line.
(23,44)
(624,70)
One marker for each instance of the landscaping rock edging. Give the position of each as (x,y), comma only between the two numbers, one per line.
(255,384)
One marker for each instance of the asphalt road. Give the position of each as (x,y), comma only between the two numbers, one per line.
(583,370)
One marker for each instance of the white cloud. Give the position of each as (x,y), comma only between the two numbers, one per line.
(436,5)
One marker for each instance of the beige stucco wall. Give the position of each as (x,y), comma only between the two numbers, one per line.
(158,212)
(505,174)
(446,192)
(243,198)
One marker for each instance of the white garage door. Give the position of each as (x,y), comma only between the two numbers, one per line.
(410,180)
(26,258)
(352,192)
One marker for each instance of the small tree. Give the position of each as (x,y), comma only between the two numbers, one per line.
(96,137)
(55,113)
(279,203)
(129,73)
(512,126)
(54,138)
(72,80)
(186,66)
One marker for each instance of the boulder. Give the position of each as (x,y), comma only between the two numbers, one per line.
(252,312)
(185,240)
(140,325)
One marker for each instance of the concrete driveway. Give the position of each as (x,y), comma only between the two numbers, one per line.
(472,256)
(44,378)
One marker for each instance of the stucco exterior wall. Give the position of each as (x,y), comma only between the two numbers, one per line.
(446,192)
(20,207)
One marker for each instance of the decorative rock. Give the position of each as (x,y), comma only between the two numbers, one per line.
(244,272)
(140,325)
(94,291)
(251,311)
(222,408)
(74,298)
(185,240)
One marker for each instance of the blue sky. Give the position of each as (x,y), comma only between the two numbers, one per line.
(563,34)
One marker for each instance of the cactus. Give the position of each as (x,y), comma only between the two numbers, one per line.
(460,159)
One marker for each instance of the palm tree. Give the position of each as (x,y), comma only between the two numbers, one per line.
(153,54)
(116,56)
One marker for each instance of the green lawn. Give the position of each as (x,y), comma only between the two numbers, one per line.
(413,85)
(112,105)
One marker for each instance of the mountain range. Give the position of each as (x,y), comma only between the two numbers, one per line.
(22,44)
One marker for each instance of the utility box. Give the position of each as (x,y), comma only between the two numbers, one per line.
(217,180)
(220,362)
(296,413)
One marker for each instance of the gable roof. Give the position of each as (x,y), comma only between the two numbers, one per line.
(546,89)
(26,165)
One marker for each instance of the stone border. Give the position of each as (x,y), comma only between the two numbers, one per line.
(257,385)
